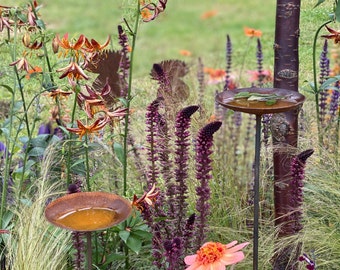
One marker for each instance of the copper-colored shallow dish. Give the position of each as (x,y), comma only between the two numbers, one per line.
(290,101)
(88,211)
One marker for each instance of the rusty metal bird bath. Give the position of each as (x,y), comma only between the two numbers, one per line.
(259,101)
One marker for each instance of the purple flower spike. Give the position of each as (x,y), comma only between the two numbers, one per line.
(182,143)
(203,175)
(298,175)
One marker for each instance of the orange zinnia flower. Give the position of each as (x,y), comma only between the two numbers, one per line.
(33,71)
(215,256)
(83,129)
(185,52)
(215,75)
(250,32)
(208,14)
(265,76)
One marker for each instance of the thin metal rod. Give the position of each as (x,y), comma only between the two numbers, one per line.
(256,193)
(89,250)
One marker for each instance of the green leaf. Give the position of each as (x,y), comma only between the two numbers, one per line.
(337,12)
(142,234)
(124,235)
(319,2)
(113,257)
(134,243)
(8,88)
(37,152)
(119,151)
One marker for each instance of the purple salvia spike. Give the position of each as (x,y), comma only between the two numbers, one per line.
(203,175)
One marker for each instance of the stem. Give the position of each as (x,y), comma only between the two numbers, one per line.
(315,88)
(87,163)
(126,126)
(68,164)
(256,191)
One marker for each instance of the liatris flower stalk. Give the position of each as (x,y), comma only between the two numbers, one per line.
(298,175)
(173,251)
(334,102)
(229,62)
(124,64)
(259,57)
(324,73)
(203,175)
(182,143)
(201,83)
(152,119)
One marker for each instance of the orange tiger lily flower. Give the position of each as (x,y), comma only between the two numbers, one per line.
(21,64)
(148,198)
(335,35)
(67,45)
(95,46)
(73,71)
(83,129)
(58,93)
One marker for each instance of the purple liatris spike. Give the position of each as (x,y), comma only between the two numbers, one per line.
(229,62)
(259,57)
(152,121)
(182,143)
(124,65)
(173,251)
(203,174)
(298,174)
(324,73)
(201,83)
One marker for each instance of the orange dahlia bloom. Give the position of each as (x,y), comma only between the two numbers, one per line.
(215,256)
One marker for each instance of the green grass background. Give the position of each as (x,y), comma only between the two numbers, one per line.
(180,27)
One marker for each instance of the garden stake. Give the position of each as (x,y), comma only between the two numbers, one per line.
(259,101)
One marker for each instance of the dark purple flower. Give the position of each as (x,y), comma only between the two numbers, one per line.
(324,73)
(173,251)
(152,124)
(124,65)
(182,142)
(228,66)
(204,145)
(297,171)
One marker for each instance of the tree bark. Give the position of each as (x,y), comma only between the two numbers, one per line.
(285,125)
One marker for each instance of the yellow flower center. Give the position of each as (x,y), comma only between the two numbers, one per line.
(210,253)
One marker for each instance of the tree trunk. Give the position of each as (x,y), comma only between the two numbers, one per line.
(285,125)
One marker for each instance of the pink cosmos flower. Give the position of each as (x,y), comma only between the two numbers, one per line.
(215,256)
